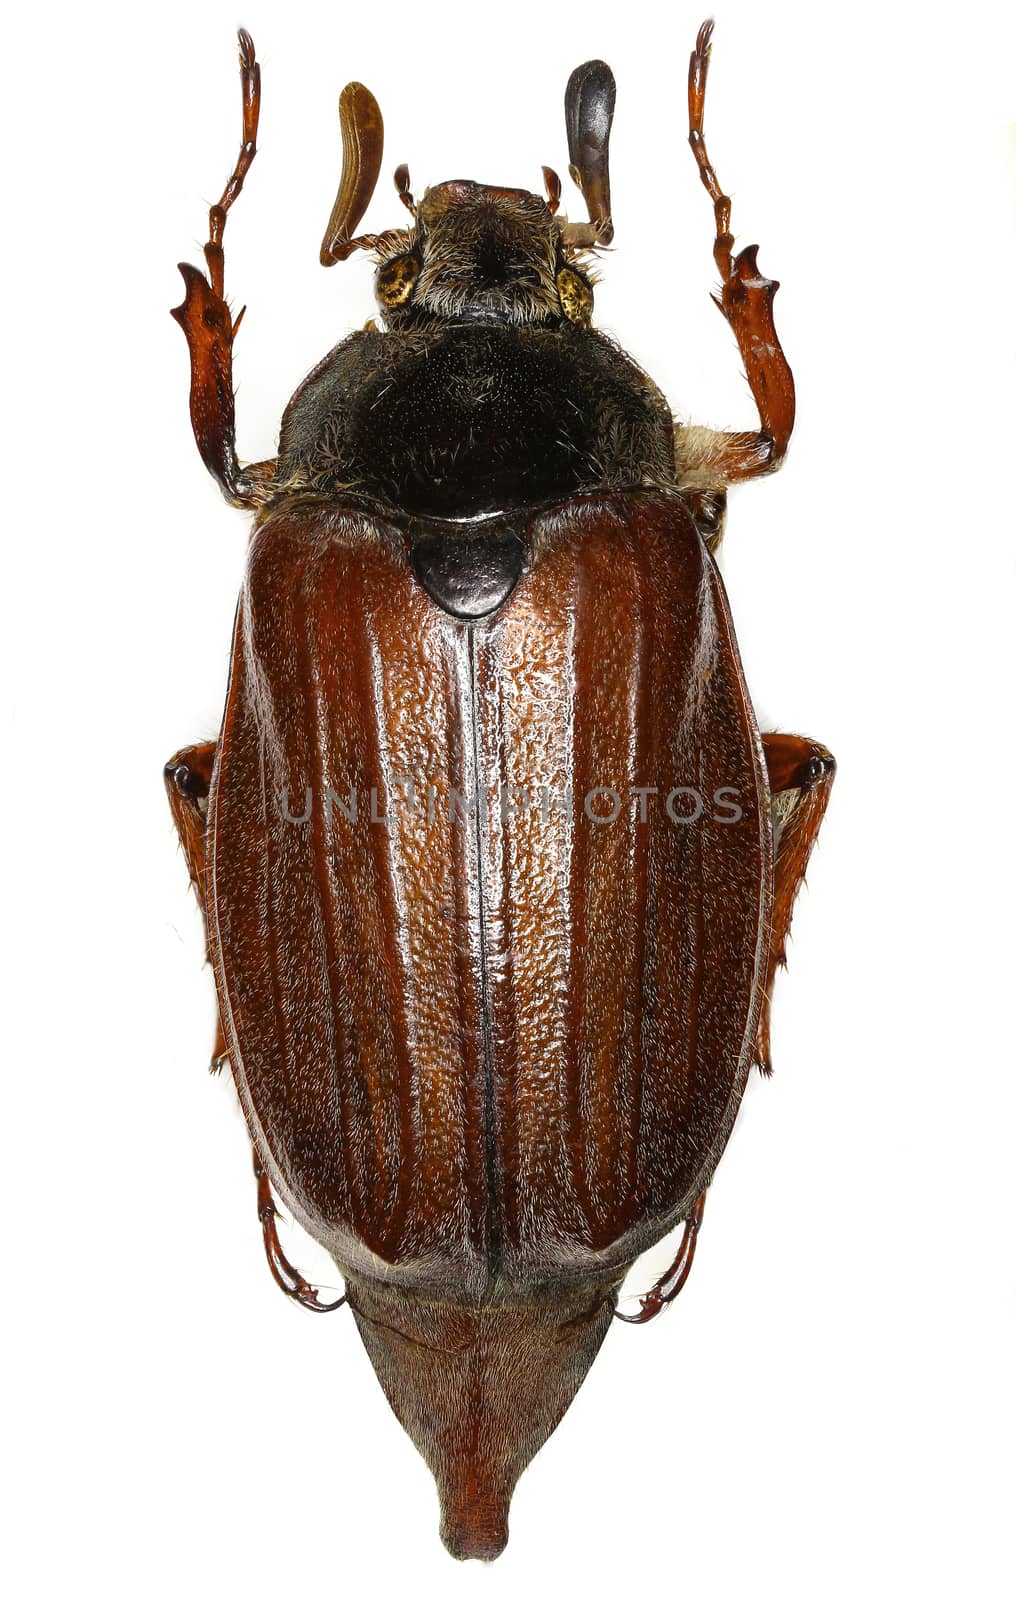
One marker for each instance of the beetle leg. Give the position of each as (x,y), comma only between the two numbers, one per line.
(746,300)
(285,1274)
(696,453)
(209,327)
(188,778)
(801,775)
(668,1287)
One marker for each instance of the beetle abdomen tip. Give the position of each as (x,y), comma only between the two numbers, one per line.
(475,1532)
(479,1390)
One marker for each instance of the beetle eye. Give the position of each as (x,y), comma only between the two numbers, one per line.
(576,296)
(396,280)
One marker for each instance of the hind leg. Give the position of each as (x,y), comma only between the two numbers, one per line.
(801,775)
(668,1287)
(188,778)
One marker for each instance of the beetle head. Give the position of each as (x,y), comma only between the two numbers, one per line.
(475,253)
(478,254)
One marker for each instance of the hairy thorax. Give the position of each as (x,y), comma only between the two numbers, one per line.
(462,420)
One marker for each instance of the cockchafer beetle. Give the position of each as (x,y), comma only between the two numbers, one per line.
(495,864)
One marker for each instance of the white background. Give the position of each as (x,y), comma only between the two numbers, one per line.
(828,1409)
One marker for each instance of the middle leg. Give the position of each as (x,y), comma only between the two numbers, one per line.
(188,779)
(801,775)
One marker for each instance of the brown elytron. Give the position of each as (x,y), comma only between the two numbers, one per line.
(495,864)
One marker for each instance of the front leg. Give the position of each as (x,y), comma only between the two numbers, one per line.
(210,330)
(707,461)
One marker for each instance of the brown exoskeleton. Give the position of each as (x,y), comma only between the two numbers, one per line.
(489,1051)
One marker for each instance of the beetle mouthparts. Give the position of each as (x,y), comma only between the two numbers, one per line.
(479,1389)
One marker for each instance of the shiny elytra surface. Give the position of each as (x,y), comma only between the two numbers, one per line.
(503,1044)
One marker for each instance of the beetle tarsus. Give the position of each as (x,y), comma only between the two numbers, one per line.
(291,1282)
(250,85)
(667,1288)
